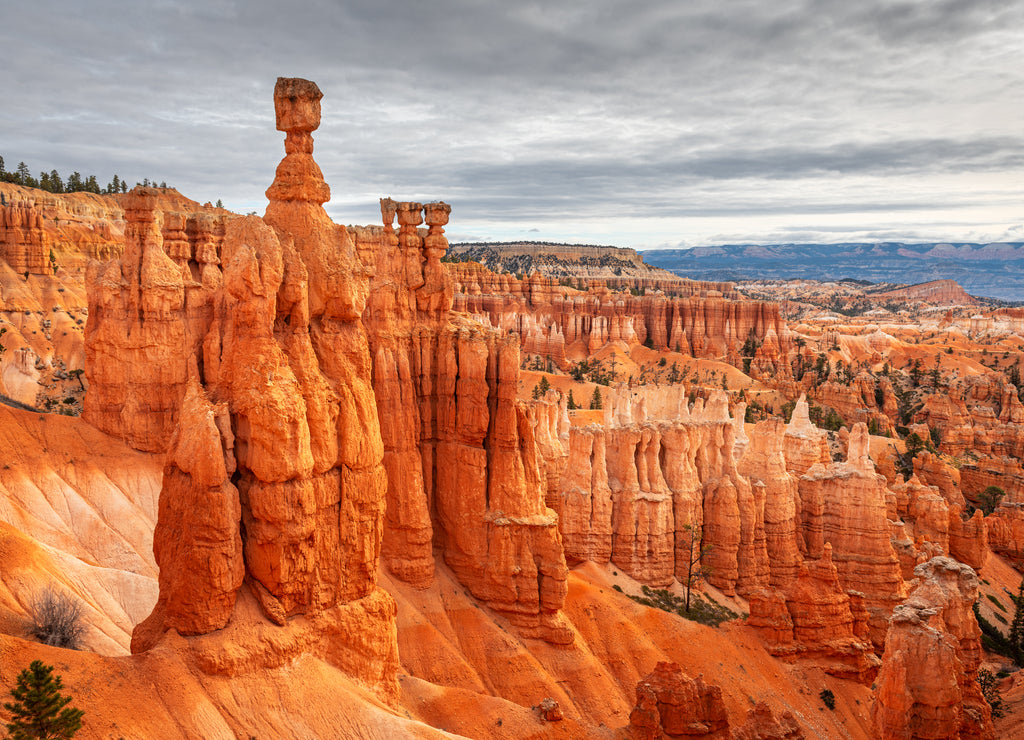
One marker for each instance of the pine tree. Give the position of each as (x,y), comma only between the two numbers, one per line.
(1017,627)
(220,203)
(571,404)
(595,400)
(39,710)
(988,500)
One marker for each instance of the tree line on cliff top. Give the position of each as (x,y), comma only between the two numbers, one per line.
(52,182)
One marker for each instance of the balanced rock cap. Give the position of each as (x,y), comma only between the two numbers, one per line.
(297,104)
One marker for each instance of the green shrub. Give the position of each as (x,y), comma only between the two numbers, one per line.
(989,499)
(702,610)
(991,638)
(828,698)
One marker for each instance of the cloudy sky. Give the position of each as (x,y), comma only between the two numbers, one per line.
(644,124)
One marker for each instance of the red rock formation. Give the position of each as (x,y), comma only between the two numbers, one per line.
(398,332)
(815,620)
(968,539)
(844,503)
(446,388)
(762,724)
(934,472)
(981,413)
(148,312)
(855,401)
(141,330)
(46,312)
(948,413)
(200,558)
(1006,531)
(499,537)
(631,492)
(291,417)
(1002,472)
(671,705)
(584,504)
(625,404)
(575,266)
(24,245)
(805,444)
(642,506)
(550,420)
(733,511)
(932,525)
(764,463)
(927,686)
(460,450)
(925,511)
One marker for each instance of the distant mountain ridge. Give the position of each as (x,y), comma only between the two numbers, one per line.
(993,270)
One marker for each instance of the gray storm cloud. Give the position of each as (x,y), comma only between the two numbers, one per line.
(666,116)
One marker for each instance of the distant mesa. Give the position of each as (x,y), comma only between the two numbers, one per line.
(557,260)
(936,291)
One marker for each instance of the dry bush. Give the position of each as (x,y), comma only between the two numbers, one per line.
(56,619)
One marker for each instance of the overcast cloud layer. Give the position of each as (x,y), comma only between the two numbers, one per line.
(639,124)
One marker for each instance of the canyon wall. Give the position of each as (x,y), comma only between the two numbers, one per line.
(35,224)
(561,322)
(46,242)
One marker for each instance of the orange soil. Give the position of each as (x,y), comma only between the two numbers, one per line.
(77,511)
(447,639)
